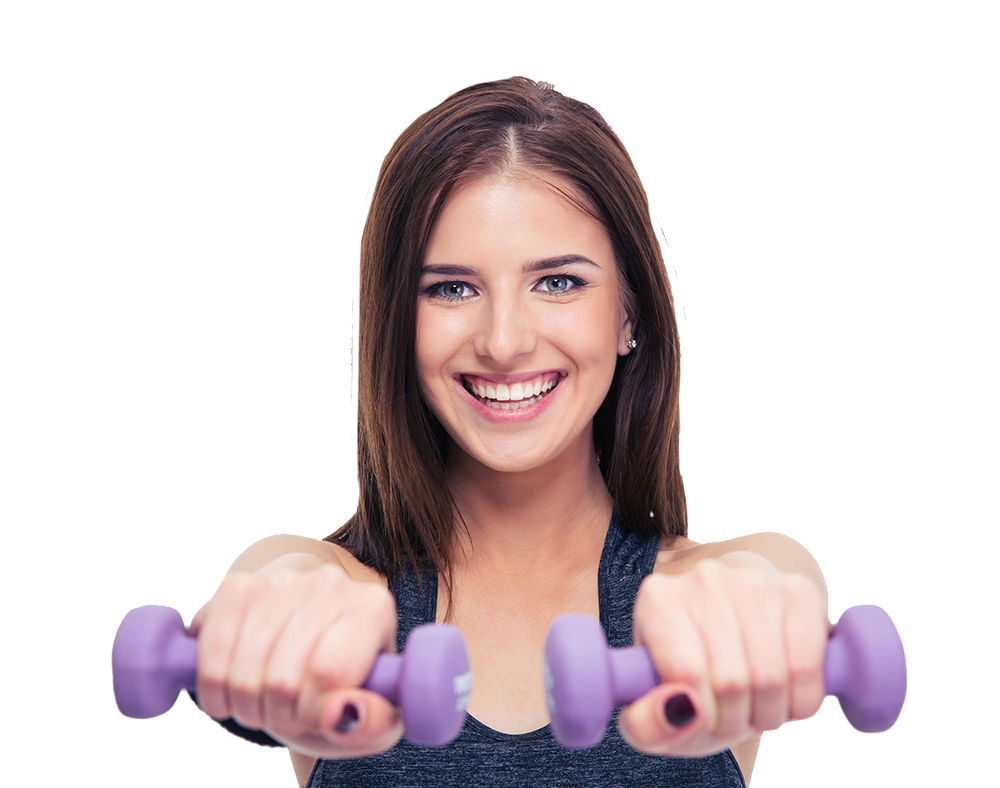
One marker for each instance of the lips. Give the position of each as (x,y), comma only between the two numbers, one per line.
(510,395)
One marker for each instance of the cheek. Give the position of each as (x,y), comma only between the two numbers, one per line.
(436,342)
(591,336)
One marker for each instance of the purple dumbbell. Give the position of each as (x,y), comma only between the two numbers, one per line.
(154,658)
(585,680)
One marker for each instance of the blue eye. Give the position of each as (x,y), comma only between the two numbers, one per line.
(450,291)
(559,283)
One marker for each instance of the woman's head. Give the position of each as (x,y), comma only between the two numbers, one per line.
(509,127)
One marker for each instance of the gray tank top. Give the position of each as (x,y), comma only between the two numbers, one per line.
(485,758)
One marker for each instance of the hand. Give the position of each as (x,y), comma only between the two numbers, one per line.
(739,648)
(286,651)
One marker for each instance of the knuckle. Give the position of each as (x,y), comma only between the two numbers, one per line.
(803,590)
(731,690)
(327,673)
(707,574)
(328,579)
(770,678)
(281,690)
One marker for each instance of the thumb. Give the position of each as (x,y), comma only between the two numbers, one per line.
(362,722)
(663,719)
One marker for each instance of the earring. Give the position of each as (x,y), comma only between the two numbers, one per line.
(632,343)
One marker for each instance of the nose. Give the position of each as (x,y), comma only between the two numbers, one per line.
(507,331)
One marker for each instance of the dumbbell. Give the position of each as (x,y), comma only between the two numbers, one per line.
(154,658)
(585,679)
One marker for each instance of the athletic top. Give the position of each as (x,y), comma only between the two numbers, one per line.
(484,758)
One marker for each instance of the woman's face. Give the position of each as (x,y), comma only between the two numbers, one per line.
(519,323)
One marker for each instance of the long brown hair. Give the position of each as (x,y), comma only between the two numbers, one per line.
(406,514)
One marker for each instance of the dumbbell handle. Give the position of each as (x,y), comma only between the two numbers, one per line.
(865,668)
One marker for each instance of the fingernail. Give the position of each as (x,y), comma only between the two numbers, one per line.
(679,710)
(348,719)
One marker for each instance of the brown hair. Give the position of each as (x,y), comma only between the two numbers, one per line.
(406,514)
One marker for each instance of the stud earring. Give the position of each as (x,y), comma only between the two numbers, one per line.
(632,343)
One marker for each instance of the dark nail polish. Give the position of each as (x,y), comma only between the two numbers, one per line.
(679,710)
(348,719)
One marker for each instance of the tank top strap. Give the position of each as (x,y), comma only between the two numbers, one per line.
(416,600)
(625,561)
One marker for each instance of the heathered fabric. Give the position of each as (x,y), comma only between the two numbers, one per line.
(484,758)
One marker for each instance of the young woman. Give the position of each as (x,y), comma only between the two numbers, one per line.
(518,459)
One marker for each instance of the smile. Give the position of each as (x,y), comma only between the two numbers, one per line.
(510,396)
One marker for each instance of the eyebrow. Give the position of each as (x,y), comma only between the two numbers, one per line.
(534,266)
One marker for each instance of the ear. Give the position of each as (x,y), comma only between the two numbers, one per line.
(624,336)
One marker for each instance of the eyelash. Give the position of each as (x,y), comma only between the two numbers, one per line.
(435,290)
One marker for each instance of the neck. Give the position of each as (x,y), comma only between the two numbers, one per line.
(547,521)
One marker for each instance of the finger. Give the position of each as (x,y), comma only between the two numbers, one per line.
(218,633)
(764,643)
(807,631)
(345,652)
(262,630)
(286,669)
(663,624)
(720,629)
(288,666)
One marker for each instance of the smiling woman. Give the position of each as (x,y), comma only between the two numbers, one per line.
(492,146)
(518,460)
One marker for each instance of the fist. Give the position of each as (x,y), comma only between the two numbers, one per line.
(286,651)
(738,648)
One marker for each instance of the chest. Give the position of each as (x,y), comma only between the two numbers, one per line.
(505,638)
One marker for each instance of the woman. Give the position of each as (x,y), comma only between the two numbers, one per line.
(518,459)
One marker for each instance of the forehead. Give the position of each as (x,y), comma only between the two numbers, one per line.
(517,214)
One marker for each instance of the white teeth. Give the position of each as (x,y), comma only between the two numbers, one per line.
(513,396)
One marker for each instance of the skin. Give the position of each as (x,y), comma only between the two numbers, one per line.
(519,284)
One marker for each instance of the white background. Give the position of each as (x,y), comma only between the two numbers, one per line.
(182,191)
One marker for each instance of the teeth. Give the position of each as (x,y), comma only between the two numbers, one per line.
(513,396)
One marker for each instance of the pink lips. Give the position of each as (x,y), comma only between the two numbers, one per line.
(506,398)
